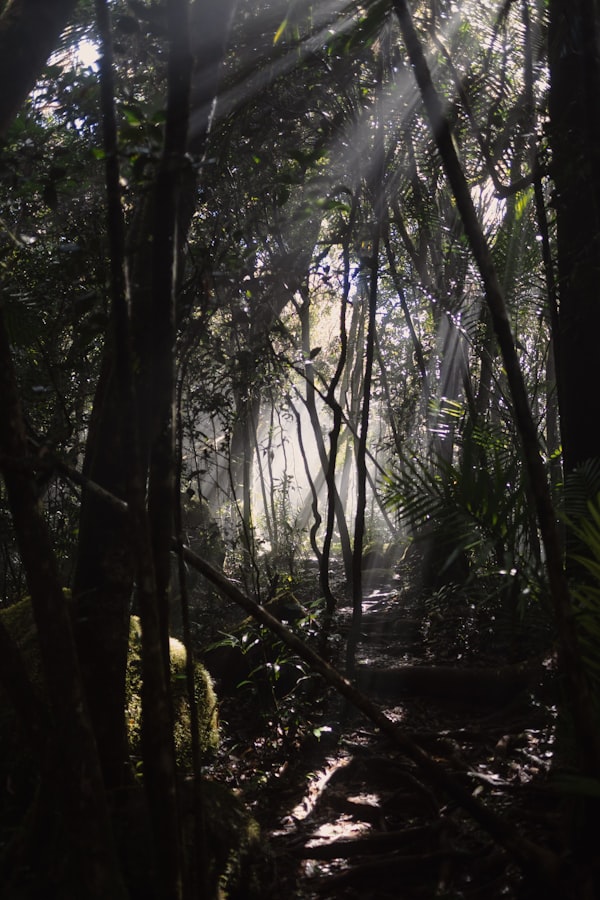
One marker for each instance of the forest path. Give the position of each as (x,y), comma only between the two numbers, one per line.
(349,817)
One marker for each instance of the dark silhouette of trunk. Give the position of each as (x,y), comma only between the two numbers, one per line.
(573,41)
(335,514)
(417,345)
(105,568)
(77,772)
(333,495)
(574,33)
(147,433)
(361,453)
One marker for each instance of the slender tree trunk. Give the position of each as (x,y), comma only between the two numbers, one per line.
(361,456)
(314,494)
(336,513)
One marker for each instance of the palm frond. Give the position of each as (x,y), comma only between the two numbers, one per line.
(477,504)
(581,486)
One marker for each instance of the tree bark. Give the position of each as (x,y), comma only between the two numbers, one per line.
(574,35)
(105,568)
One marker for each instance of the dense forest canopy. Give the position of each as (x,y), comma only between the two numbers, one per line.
(287,288)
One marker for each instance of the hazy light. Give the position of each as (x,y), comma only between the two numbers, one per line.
(87,53)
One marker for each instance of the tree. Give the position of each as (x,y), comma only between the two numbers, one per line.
(125,445)
(574,75)
(229,264)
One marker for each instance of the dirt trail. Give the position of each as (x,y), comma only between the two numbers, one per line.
(348,817)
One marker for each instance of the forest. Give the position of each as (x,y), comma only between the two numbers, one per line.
(300,481)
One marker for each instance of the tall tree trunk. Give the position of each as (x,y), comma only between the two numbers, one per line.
(574,38)
(361,450)
(103,578)
(574,61)
(105,568)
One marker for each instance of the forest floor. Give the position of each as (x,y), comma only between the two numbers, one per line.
(346,815)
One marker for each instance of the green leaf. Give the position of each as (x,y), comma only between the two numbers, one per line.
(133,115)
(279,33)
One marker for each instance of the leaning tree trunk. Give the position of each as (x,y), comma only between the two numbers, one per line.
(577,686)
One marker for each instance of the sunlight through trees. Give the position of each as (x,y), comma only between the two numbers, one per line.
(297,304)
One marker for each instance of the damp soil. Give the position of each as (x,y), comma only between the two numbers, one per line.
(345,815)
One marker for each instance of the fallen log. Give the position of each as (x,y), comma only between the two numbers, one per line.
(490,686)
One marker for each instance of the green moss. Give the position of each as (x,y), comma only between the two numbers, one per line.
(206,699)
(19,621)
(235,857)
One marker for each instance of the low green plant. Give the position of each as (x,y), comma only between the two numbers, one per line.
(251,662)
(471,515)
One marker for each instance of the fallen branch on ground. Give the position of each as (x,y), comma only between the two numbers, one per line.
(536,861)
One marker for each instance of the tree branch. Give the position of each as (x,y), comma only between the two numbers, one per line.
(538,861)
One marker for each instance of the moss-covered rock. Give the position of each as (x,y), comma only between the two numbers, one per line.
(206,699)
(36,862)
(19,621)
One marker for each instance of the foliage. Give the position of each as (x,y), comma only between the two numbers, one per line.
(476,504)
(270,304)
(581,488)
(249,662)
